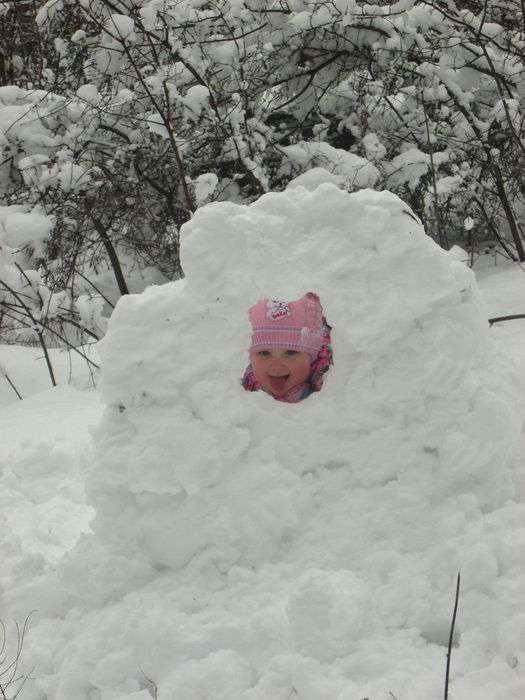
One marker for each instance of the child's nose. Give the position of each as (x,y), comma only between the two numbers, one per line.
(278,366)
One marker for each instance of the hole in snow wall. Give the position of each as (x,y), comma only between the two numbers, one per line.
(191,465)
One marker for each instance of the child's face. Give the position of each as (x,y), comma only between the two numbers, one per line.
(280,369)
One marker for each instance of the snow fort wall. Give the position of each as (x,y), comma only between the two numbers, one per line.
(273,545)
(417,394)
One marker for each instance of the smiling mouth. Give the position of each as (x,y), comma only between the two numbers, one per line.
(278,383)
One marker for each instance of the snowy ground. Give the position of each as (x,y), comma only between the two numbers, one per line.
(503,289)
(46,455)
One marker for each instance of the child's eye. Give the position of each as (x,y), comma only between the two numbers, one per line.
(263,353)
(291,353)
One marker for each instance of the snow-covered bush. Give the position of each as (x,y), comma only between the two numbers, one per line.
(139,113)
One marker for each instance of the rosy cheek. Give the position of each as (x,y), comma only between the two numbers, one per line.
(258,369)
(304,372)
(258,374)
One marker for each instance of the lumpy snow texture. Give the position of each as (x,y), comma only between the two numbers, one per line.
(246,549)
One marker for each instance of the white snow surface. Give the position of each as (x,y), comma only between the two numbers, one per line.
(44,451)
(246,549)
(26,368)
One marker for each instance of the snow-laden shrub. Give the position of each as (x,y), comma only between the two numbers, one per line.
(136,114)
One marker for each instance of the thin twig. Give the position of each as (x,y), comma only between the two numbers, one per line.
(13,387)
(153,689)
(54,332)
(36,325)
(451,635)
(77,272)
(112,254)
(505,318)
(4,637)
(11,670)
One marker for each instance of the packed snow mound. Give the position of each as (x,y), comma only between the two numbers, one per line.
(248,549)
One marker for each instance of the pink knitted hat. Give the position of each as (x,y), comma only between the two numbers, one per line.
(297,325)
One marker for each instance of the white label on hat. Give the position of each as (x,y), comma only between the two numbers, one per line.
(276,309)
